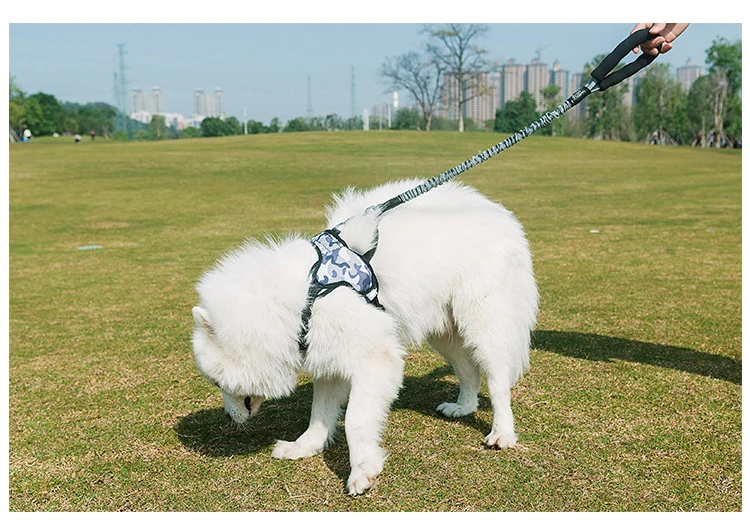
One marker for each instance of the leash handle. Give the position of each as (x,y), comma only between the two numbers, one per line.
(600,74)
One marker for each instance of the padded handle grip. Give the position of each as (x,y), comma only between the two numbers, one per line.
(623,48)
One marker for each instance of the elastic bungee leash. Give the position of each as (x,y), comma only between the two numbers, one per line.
(338,265)
(601,79)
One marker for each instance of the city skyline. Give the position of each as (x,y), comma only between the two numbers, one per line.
(181,57)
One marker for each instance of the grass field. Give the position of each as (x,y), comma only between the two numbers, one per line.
(632,403)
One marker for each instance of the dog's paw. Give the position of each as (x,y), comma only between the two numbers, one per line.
(500,440)
(293,450)
(363,475)
(453,410)
(360,480)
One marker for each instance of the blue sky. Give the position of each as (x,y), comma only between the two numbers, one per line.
(264,66)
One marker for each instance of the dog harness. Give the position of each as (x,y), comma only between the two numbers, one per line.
(337,265)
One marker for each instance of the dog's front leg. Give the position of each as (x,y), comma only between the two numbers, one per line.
(374,388)
(329,395)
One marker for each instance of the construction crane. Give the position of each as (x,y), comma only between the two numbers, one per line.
(539,52)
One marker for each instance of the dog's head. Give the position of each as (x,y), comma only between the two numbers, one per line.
(246,326)
(210,358)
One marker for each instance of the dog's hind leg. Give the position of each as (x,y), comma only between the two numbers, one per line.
(329,395)
(503,433)
(500,355)
(451,347)
(500,347)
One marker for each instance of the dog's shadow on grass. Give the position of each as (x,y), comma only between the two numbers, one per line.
(210,433)
(606,348)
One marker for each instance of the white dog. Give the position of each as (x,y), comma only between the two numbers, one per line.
(453,268)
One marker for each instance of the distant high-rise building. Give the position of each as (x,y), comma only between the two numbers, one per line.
(216,107)
(481,101)
(537,78)
(448,107)
(480,96)
(209,104)
(151,102)
(157,101)
(688,74)
(144,105)
(559,77)
(512,82)
(199,103)
(136,101)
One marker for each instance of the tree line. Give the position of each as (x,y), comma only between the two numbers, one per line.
(43,114)
(708,114)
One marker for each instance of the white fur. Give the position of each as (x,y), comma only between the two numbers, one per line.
(454,268)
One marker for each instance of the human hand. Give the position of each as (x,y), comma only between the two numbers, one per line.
(667,33)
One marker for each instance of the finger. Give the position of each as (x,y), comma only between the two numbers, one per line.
(653,44)
(637,27)
(657,28)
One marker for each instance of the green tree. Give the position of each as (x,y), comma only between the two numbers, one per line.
(120,136)
(552,99)
(274,126)
(298,124)
(97,116)
(406,119)
(52,114)
(190,133)
(657,103)
(157,130)
(69,123)
(213,127)
(727,56)
(606,117)
(701,112)
(516,114)
(33,116)
(724,59)
(333,122)
(255,127)
(16,107)
(353,123)
(315,123)
(233,126)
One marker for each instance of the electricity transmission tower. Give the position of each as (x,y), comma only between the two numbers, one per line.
(120,88)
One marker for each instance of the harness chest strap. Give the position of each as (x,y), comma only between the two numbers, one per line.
(337,265)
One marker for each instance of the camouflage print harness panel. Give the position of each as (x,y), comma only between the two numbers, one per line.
(337,265)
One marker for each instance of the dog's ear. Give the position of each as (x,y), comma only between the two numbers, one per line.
(202,320)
